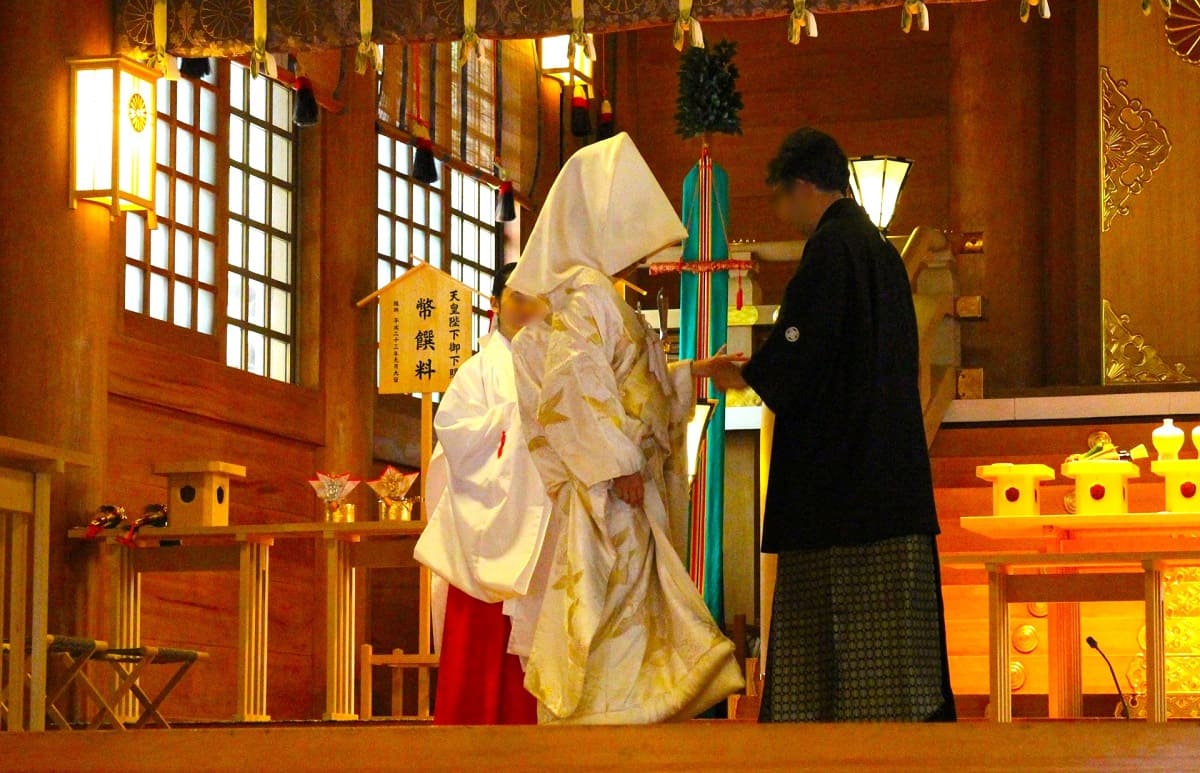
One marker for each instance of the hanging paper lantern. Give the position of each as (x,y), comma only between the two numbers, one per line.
(581,118)
(306,111)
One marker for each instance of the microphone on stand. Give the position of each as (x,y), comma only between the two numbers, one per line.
(1091,642)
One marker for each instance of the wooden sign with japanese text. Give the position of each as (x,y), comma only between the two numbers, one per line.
(424,331)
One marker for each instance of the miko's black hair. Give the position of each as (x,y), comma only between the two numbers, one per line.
(501,280)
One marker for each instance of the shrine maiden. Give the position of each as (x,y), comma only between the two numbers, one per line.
(857,627)
(622,636)
(488,517)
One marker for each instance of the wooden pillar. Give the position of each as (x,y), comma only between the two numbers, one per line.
(997,151)
(59,284)
(1071,329)
(1065,661)
(343,255)
(1156,660)
(999,680)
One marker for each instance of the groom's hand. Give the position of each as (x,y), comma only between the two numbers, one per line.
(725,371)
(629,489)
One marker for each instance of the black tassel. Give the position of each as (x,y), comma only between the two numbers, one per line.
(424,169)
(506,209)
(605,126)
(306,111)
(581,118)
(195,69)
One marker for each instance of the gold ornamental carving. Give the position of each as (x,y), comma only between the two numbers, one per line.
(1128,359)
(1181,611)
(1182,29)
(1134,146)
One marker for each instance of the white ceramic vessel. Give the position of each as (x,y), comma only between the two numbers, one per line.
(1168,440)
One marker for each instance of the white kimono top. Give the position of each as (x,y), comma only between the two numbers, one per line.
(487,506)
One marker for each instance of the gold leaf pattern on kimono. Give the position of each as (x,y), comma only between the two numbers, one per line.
(548,413)
(604,409)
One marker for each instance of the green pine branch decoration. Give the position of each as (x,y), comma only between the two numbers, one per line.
(708,102)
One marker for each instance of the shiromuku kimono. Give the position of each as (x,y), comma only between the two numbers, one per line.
(488,517)
(622,635)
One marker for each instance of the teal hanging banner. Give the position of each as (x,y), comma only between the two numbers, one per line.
(704,305)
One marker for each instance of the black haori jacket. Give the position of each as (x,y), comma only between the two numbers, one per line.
(849,465)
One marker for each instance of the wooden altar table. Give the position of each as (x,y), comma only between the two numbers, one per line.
(246,550)
(1063,576)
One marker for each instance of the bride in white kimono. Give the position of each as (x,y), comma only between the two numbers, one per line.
(622,635)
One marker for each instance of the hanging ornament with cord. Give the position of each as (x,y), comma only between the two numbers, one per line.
(469,43)
(368,54)
(687,27)
(914,9)
(801,23)
(424,168)
(1043,7)
(581,114)
(605,125)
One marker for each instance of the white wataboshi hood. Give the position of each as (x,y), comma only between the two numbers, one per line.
(605,211)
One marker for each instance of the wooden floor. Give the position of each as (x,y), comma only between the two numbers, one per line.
(1083,745)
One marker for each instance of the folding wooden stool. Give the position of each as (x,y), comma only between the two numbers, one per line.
(128,663)
(74,652)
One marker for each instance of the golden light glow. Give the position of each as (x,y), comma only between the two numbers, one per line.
(557,64)
(877,182)
(113,129)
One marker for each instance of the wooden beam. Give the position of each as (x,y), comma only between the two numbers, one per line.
(1109,586)
(690,746)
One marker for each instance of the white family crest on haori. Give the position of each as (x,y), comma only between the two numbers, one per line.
(622,636)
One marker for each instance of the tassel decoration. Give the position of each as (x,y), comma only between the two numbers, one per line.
(802,22)
(506,208)
(196,69)
(306,112)
(424,168)
(581,118)
(914,10)
(740,297)
(1044,9)
(605,126)
(687,27)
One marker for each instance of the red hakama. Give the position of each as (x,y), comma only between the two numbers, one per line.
(479,682)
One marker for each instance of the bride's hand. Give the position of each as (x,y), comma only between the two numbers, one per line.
(630,489)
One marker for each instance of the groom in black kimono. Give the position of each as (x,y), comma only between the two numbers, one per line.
(857,630)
